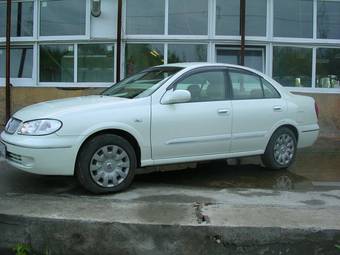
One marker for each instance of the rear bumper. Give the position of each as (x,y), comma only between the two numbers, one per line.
(308,135)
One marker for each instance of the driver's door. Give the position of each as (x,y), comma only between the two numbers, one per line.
(200,127)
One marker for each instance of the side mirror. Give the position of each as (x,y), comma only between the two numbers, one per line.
(177,96)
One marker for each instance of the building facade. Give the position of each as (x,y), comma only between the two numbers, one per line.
(59,47)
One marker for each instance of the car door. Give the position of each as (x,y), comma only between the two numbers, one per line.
(257,107)
(200,127)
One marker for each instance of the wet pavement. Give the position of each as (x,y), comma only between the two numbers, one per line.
(316,168)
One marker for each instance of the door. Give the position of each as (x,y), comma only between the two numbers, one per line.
(257,107)
(200,127)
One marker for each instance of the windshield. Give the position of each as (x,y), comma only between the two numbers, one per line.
(141,84)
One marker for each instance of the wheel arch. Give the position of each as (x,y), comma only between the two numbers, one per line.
(122,133)
(290,126)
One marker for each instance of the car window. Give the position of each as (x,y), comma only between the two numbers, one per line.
(245,86)
(204,86)
(269,90)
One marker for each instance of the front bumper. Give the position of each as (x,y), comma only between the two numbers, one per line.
(46,155)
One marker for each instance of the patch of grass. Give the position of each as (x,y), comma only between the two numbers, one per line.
(22,249)
(337,246)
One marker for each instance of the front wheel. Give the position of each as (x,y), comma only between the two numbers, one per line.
(281,149)
(106,163)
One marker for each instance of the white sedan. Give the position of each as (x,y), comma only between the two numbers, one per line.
(166,114)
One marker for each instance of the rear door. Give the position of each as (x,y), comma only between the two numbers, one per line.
(257,107)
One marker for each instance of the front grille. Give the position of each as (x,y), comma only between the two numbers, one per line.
(12,125)
(14,157)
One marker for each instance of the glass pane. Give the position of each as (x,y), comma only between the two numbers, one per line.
(292,66)
(95,63)
(21,62)
(22,19)
(205,86)
(328,68)
(187,53)
(293,18)
(62,17)
(329,19)
(145,17)
(190,18)
(253,58)
(268,90)
(56,63)
(142,56)
(245,86)
(228,17)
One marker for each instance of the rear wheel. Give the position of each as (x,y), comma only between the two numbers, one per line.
(281,149)
(106,163)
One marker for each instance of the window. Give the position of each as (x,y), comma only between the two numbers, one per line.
(205,86)
(245,86)
(253,58)
(328,19)
(187,53)
(141,56)
(21,62)
(22,18)
(56,63)
(95,63)
(292,66)
(268,90)
(228,17)
(190,18)
(145,17)
(62,17)
(328,68)
(293,18)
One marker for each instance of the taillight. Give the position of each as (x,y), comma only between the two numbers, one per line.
(316,109)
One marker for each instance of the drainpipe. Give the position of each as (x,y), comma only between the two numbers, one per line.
(119,40)
(242,30)
(8,60)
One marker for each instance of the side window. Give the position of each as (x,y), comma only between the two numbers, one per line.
(245,86)
(269,90)
(205,86)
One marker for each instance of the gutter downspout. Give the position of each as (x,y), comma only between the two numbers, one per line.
(242,30)
(119,40)
(8,60)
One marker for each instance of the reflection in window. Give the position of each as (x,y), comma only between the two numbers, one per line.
(142,56)
(228,17)
(328,19)
(293,18)
(292,66)
(204,86)
(22,19)
(145,17)
(253,58)
(95,63)
(21,62)
(187,53)
(190,18)
(328,68)
(62,17)
(56,63)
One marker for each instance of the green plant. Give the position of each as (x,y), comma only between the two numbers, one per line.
(337,246)
(22,249)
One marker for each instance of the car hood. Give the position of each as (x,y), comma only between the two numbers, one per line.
(57,108)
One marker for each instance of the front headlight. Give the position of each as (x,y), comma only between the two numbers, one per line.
(40,127)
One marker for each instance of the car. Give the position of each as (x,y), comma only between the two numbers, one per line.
(168,114)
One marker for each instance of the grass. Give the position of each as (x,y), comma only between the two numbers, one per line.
(25,249)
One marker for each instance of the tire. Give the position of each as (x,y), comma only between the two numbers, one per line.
(281,149)
(106,164)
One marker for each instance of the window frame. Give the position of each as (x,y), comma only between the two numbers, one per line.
(199,70)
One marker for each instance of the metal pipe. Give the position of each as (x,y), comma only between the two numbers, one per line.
(242,30)
(8,59)
(119,39)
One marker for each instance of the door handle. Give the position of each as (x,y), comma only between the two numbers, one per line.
(277,108)
(223,111)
